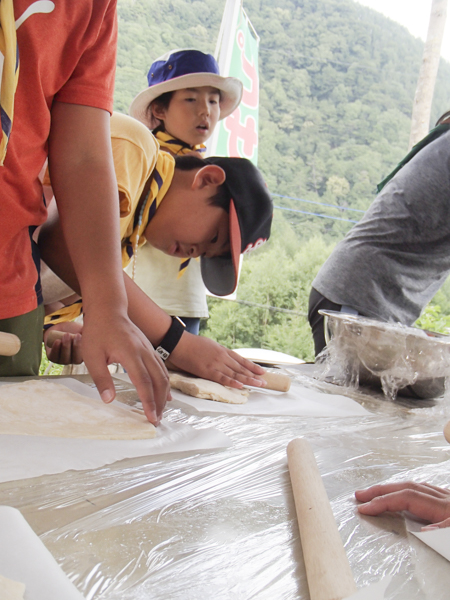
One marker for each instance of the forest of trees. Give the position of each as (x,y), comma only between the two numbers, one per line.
(337,85)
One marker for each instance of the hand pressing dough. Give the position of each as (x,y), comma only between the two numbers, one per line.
(49,409)
(11,590)
(203,388)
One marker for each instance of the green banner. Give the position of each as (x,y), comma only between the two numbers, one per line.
(238,133)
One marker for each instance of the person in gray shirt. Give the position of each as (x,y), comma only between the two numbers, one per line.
(391,264)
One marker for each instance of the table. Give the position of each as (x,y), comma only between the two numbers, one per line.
(222,524)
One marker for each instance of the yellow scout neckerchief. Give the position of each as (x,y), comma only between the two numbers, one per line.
(160,181)
(171,144)
(10,75)
(177,147)
(62,315)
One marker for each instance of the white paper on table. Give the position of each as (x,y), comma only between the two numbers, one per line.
(299,401)
(24,456)
(24,558)
(438,539)
(376,591)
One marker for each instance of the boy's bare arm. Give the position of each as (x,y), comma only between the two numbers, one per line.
(195,354)
(83,179)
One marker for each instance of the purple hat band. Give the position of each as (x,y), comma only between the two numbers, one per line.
(181,63)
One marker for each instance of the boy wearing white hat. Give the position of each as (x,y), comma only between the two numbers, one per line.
(183,103)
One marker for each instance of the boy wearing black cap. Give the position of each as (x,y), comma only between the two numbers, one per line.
(214,209)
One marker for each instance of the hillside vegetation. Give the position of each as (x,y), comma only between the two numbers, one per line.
(336,91)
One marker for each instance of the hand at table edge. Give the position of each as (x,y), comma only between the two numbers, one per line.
(423,500)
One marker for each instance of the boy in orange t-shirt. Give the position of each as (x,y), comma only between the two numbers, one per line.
(62,108)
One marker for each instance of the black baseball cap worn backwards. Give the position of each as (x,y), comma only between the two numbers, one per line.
(250,220)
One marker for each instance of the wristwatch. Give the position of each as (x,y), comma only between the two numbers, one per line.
(171,339)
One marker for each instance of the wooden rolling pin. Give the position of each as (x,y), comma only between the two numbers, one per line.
(447,432)
(9,344)
(54,335)
(277,381)
(327,567)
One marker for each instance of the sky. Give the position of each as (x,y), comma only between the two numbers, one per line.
(412,14)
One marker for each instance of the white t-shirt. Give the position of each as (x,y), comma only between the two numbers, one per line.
(157,276)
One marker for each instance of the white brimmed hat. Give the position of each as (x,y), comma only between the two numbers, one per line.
(181,69)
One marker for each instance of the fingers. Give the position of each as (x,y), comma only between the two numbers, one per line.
(233,374)
(419,499)
(63,343)
(441,525)
(151,381)
(66,351)
(77,354)
(233,380)
(147,375)
(124,343)
(233,370)
(388,488)
(245,371)
(102,378)
(437,491)
(246,364)
(205,358)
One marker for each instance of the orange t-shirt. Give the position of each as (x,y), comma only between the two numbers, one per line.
(67,54)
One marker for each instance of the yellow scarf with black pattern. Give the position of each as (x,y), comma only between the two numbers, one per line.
(179,148)
(160,181)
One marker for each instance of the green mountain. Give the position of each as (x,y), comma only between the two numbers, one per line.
(337,82)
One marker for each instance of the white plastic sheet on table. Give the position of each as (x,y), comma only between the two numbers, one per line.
(222,525)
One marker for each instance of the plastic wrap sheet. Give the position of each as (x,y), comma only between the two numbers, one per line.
(222,524)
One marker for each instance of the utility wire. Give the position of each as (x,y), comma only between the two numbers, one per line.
(265,306)
(319,203)
(305,212)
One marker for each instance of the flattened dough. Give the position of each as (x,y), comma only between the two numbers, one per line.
(50,409)
(11,590)
(203,388)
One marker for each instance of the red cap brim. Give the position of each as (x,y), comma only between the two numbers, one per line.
(235,241)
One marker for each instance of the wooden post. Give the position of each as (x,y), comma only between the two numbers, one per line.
(420,119)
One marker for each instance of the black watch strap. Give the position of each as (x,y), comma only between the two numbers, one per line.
(171,339)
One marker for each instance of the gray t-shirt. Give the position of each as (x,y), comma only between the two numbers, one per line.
(394,260)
